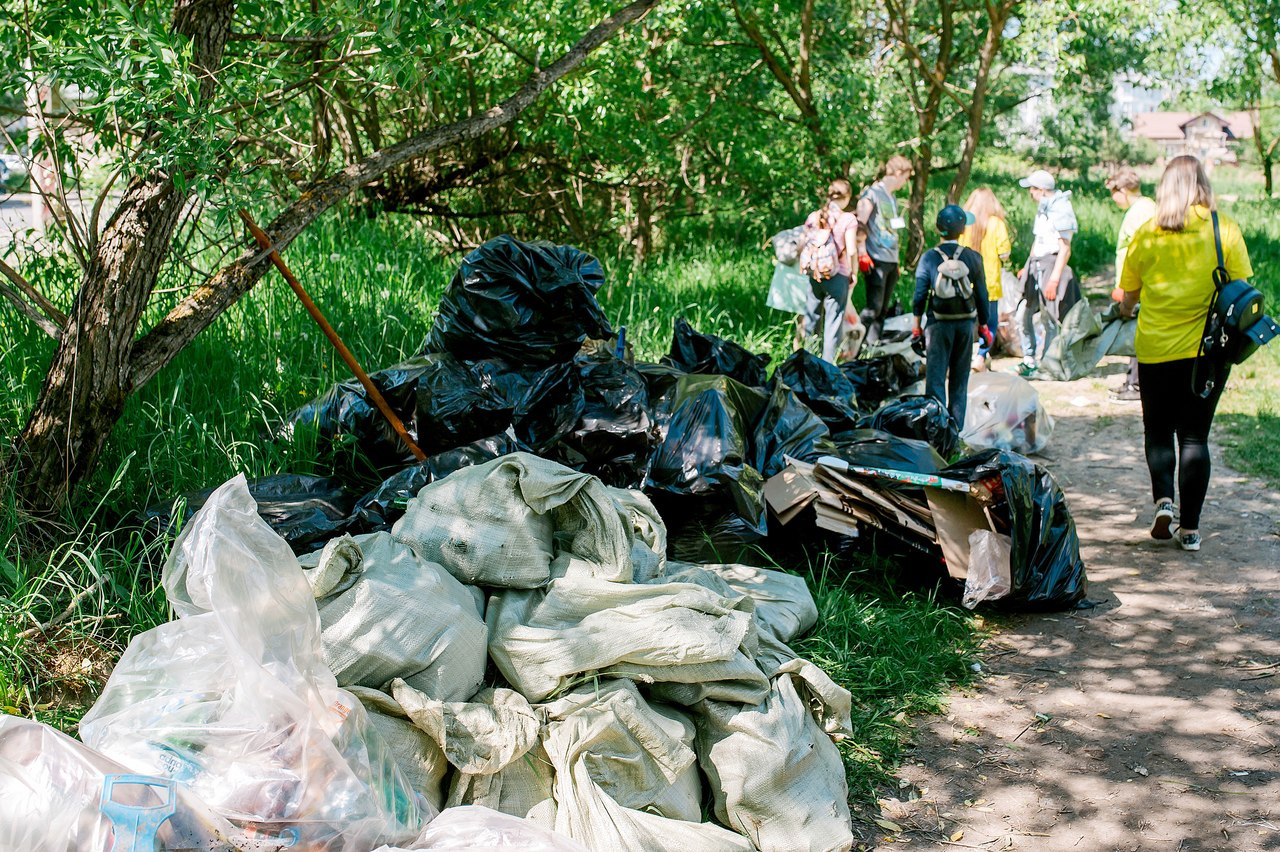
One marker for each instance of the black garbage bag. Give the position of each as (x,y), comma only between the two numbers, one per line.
(384,505)
(921,417)
(876,379)
(1047,571)
(350,432)
(458,402)
(823,387)
(530,304)
(661,381)
(442,402)
(305,510)
(787,427)
(873,448)
(706,455)
(592,415)
(693,352)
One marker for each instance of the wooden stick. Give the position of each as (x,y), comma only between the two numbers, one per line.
(350,359)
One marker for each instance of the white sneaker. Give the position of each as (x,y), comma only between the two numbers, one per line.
(1189,539)
(1163,521)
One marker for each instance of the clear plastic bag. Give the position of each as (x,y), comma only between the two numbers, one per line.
(57,794)
(989,577)
(234,700)
(479,829)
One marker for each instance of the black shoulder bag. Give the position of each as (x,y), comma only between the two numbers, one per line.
(1234,327)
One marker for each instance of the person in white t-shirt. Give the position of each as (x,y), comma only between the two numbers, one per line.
(1046,273)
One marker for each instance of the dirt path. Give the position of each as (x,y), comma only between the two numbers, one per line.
(1149,723)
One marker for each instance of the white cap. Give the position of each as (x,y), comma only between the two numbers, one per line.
(1040,179)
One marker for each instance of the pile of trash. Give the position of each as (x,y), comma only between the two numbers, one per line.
(543,620)
(519,641)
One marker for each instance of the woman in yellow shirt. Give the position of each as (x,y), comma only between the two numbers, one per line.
(988,236)
(1169,266)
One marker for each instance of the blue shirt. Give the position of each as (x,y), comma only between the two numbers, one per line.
(927,270)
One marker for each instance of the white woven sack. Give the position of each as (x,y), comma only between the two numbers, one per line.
(523,788)
(480,736)
(775,773)
(783,603)
(545,640)
(419,758)
(649,548)
(501,523)
(613,755)
(387,613)
(476,828)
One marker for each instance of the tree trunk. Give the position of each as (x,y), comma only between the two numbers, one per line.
(89,378)
(98,362)
(997,17)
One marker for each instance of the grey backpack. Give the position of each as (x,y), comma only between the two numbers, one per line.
(952,292)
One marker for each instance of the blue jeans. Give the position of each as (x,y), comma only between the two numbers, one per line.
(827,298)
(948,350)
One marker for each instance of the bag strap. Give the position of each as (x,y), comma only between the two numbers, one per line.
(1202,385)
(1220,278)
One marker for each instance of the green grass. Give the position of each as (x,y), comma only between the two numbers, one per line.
(898,652)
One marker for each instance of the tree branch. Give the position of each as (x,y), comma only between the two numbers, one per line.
(196,312)
(46,307)
(45,324)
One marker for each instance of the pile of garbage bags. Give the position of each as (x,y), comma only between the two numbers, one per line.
(518,641)
(522,359)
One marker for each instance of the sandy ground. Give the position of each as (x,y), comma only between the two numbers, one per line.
(1151,722)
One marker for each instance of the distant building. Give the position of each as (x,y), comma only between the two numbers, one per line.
(1210,136)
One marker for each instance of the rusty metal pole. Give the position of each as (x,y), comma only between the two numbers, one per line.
(265,243)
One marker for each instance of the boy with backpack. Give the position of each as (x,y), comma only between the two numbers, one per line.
(951,285)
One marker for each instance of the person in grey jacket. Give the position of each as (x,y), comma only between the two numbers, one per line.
(1046,274)
(949,332)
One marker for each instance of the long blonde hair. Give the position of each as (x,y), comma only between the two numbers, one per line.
(983,204)
(1183,185)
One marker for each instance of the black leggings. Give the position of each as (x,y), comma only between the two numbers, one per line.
(1169,409)
(880,281)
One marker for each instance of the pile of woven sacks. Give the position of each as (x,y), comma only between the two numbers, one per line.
(517,642)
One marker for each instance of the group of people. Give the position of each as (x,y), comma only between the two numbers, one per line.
(1166,252)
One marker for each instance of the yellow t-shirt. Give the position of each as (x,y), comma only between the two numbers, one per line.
(995,242)
(1174,271)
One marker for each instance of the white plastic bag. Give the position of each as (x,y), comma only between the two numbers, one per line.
(59,795)
(990,575)
(1004,412)
(387,613)
(235,701)
(479,829)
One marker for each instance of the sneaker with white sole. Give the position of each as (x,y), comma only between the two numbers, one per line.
(1189,539)
(1163,521)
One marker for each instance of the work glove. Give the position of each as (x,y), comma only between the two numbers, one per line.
(987,337)
(917,332)
(1117,295)
(864,262)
